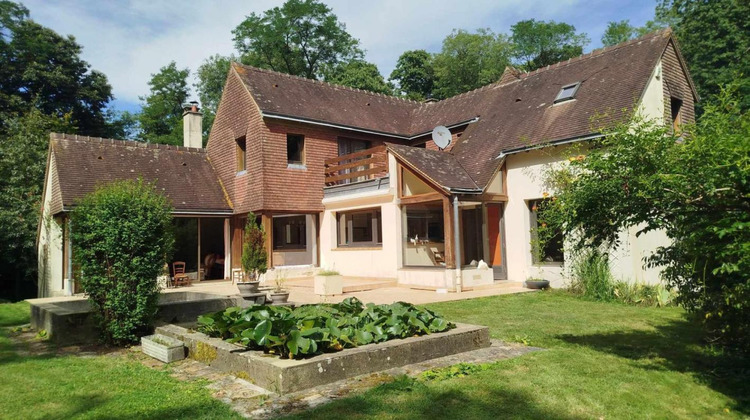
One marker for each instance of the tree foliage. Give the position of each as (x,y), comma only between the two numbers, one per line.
(618,32)
(42,69)
(254,255)
(470,60)
(23,154)
(359,74)
(414,74)
(160,118)
(695,188)
(715,40)
(539,43)
(212,75)
(122,237)
(301,37)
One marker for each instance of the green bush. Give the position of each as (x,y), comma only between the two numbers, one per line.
(122,236)
(591,276)
(313,329)
(254,255)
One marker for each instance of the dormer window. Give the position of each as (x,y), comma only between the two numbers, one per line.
(567,92)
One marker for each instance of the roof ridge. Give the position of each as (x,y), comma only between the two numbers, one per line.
(324,83)
(125,143)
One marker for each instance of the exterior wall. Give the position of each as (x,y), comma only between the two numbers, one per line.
(50,248)
(303,256)
(676,85)
(652,103)
(525,183)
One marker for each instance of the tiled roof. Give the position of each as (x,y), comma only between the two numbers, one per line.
(183,174)
(515,112)
(442,168)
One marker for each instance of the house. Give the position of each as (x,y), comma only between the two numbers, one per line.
(351,180)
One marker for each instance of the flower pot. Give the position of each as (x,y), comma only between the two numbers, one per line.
(248,287)
(537,284)
(279,297)
(328,285)
(163,348)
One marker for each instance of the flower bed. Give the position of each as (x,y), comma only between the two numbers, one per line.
(313,329)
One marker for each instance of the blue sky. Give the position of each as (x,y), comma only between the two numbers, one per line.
(130,40)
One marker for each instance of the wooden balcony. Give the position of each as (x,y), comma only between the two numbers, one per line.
(356,167)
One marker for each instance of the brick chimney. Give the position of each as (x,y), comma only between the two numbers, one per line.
(192,124)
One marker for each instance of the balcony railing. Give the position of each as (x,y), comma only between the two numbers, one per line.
(358,166)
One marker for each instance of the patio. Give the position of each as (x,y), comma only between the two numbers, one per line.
(377,291)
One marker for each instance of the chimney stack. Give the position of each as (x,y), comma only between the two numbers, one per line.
(192,124)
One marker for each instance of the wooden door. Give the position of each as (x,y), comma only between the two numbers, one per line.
(496,235)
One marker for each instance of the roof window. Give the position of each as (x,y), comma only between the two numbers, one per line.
(567,92)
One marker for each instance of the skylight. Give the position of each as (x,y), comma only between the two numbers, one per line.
(567,92)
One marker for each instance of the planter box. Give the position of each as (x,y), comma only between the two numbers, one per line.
(162,347)
(328,285)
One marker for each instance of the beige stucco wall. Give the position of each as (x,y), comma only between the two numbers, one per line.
(299,257)
(50,252)
(652,102)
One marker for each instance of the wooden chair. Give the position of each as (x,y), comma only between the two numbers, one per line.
(180,277)
(238,275)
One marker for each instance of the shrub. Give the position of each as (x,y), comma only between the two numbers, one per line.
(122,236)
(313,329)
(591,276)
(254,255)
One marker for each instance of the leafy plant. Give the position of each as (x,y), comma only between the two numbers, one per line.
(591,276)
(254,255)
(313,329)
(326,272)
(456,371)
(122,236)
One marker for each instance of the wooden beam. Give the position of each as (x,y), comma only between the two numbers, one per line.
(332,169)
(450,257)
(361,153)
(266,221)
(492,198)
(421,198)
(351,175)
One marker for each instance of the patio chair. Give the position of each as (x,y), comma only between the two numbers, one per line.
(180,277)
(238,275)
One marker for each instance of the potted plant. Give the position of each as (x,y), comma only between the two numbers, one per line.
(279,294)
(328,282)
(254,256)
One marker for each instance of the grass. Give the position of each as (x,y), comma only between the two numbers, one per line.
(62,387)
(602,360)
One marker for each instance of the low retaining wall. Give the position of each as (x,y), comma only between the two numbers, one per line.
(72,322)
(284,376)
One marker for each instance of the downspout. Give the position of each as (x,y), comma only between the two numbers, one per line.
(457,245)
(69,284)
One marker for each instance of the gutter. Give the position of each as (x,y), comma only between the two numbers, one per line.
(552,143)
(184,212)
(360,130)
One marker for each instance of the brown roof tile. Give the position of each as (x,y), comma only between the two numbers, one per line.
(183,174)
(440,167)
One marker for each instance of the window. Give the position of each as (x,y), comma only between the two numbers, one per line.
(295,149)
(553,249)
(424,243)
(240,154)
(289,232)
(676,113)
(567,92)
(360,228)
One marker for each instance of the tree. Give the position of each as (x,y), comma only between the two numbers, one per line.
(301,38)
(254,256)
(693,187)
(715,40)
(212,75)
(39,68)
(119,267)
(161,113)
(414,74)
(23,155)
(618,32)
(359,74)
(468,61)
(539,43)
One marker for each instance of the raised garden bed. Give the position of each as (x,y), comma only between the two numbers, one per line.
(162,347)
(283,376)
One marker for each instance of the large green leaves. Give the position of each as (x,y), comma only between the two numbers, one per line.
(313,329)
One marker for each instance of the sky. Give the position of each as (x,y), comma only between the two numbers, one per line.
(130,40)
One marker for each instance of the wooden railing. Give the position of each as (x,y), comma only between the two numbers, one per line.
(357,166)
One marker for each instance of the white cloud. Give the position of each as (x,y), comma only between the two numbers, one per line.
(129,41)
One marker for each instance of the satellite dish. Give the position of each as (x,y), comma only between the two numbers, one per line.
(441,136)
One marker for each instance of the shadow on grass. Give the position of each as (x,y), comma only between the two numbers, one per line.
(677,346)
(408,398)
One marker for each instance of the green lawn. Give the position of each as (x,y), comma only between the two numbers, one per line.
(603,360)
(51,387)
